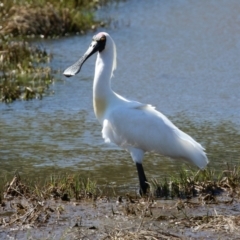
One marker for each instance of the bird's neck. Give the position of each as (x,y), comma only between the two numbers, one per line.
(102,92)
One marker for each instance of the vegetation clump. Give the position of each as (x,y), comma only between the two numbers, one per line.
(46,18)
(191,184)
(24,73)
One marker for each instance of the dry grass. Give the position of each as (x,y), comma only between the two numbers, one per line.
(46,19)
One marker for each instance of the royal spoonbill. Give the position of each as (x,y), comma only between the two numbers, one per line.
(134,126)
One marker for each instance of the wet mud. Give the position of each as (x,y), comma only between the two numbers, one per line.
(32,216)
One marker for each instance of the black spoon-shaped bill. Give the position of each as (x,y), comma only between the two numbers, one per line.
(76,67)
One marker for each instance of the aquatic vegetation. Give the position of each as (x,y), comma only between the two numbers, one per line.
(23,67)
(23,71)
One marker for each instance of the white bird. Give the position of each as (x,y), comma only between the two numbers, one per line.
(134,126)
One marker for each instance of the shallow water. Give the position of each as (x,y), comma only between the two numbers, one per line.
(182,57)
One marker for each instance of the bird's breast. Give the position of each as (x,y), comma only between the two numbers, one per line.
(99,105)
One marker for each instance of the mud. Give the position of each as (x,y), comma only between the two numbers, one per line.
(121,218)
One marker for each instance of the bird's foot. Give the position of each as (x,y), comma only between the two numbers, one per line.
(143,189)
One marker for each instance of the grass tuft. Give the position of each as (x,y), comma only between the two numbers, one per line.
(190,184)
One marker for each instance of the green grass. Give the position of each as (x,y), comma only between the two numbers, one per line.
(57,186)
(74,185)
(188,183)
(24,73)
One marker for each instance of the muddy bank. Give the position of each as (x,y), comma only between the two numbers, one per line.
(108,219)
(74,208)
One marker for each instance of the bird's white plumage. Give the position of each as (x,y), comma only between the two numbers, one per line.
(134,126)
(145,128)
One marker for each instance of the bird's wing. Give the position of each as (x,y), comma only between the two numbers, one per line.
(117,123)
(141,126)
(137,126)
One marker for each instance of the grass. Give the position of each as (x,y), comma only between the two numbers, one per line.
(73,186)
(190,183)
(64,186)
(46,18)
(23,71)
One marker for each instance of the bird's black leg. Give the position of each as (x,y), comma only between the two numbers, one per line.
(142,179)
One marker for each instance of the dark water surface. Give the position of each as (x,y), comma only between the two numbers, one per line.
(181,56)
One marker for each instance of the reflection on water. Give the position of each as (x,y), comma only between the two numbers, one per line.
(181,57)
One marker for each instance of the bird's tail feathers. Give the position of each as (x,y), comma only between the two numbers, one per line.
(193,151)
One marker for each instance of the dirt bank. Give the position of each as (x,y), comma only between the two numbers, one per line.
(25,214)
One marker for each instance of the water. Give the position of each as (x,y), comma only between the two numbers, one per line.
(180,56)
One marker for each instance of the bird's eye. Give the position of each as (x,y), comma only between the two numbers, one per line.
(103,38)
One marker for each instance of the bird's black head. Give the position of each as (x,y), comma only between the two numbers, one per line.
(98,44)
(101,39)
